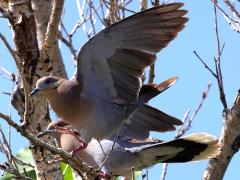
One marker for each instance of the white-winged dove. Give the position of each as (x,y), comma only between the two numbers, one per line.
(105,91)
(129,154)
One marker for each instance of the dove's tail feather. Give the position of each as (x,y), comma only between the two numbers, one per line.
(194,147)
(149,91)
(147,118)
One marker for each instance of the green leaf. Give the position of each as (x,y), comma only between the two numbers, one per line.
(67,171)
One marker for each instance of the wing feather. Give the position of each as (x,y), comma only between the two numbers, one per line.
(115,59)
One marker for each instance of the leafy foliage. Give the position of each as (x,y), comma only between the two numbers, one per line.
(24,155)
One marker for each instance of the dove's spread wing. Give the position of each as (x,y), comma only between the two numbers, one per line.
(115,59)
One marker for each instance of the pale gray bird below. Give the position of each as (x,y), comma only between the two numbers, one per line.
(105,91)
(134,154)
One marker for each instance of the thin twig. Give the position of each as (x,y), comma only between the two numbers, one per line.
(224,13)
(8,75)
(11,51)
(92,19)
(82,18)
(205,65)
(110,151)
(10,112)
(185,118)
(115,139)
(188,123)
(8,151)
(25,85)
(6,167)
(118,6)
(19,161)
(80,23)
(164,171)
(77,25)
(123,4)
(95,11)
(218,62)
(69,44)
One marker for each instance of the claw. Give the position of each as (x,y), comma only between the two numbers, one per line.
(60,130)
(66,131)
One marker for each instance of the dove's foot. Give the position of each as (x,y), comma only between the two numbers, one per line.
(74,133)
(64,130)
(103,175)
(82,146)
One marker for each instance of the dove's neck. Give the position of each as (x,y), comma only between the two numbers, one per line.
(67,102)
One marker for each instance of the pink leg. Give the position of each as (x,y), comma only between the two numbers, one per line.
(76,134)
(79,148)
(104,175)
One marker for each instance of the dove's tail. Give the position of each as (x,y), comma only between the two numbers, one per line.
(194,147)
(149,91)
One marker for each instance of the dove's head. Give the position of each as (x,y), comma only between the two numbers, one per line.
(54,128)
(46,84)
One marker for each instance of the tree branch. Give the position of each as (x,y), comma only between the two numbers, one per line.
(229,143)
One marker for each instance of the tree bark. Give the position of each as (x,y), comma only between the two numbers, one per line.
(229,143)
(29,28)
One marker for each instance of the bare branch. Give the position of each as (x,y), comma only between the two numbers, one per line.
(120,7)
(205,65)
(68,43)
(92,19)
(25,85)
(230,19)
(6,167)
(164,171)
(11,51)
(82,17)
(7,74)
(52,29)
(182,131)
(75,28)
(218,62)
(19,161)
(95,11)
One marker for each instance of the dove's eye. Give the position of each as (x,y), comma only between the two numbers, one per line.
(47,81)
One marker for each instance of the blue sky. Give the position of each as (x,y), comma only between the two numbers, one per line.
(175,60)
